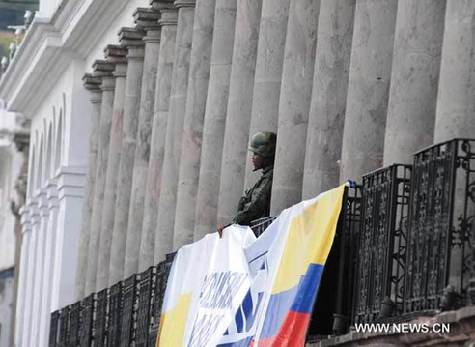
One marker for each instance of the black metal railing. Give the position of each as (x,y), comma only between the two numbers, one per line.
(125,314)
(381,244)
(441,241)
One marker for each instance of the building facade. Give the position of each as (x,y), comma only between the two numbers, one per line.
(141,113)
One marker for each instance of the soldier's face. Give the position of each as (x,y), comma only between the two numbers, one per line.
(257,161)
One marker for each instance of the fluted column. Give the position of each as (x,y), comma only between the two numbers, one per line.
(168,22)
(215,119)
(268,76)
(198,81)
(171,160)
(49,260)
(328,105)
(294,104)
(133,40)
(414,79)
(369,80)
(103,70)
(236,134)
(92,84)
(114,54)
(455,115)
(147,20)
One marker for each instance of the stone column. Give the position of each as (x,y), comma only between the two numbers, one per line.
(22,281)
(455,115)
(328,105)
(168,23)
(92,84)
(32,269)
(294,104)
(133,40)
(215,119)
(35,309)
(114,54)
(368,86)
(104,70)
(270,58)
(236,133)
(198,80)
(49,260)
(171,159)
(414,79)
(147,20)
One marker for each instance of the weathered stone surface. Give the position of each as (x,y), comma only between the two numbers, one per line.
(198,79)
(268,75)
(414,79)
(456,94)
(168,22)
(236,134)
(294,103)
(369,80)
(117,53)
(133,40)
(215,119)
(142,148)
(328,106)
(171,160)
(104,70)
(92,84)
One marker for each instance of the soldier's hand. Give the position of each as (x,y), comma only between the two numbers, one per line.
(219,229)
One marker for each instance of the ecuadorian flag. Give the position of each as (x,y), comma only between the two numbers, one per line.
(306,231)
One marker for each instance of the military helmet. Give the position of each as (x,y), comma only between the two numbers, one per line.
(263,144)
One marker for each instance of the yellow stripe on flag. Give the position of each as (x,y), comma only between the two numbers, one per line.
(309,240)
(172,324)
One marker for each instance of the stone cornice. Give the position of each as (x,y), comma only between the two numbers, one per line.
(115,54)
(146,19)
(184,3)
(49,47)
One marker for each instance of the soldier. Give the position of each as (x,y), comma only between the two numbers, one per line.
(256,201)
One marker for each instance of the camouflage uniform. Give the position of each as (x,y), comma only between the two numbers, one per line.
(256,201)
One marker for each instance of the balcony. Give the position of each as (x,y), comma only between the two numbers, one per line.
(404,248)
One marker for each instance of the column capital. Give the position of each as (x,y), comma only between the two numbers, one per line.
(132,38)
(92,84)
(168,16)
(115,54)
(102,68)
(146,18)
(52,194)
(162,4)
(184,3)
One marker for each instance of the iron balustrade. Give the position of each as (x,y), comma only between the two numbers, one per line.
(115,315)
(54,329)
(441,242)
(101,321)
(129,307)
(86,320)
(74,319)
(63,326)
(378,286)
(258,226)
(145,306)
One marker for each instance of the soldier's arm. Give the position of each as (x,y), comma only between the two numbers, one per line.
(256,208)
